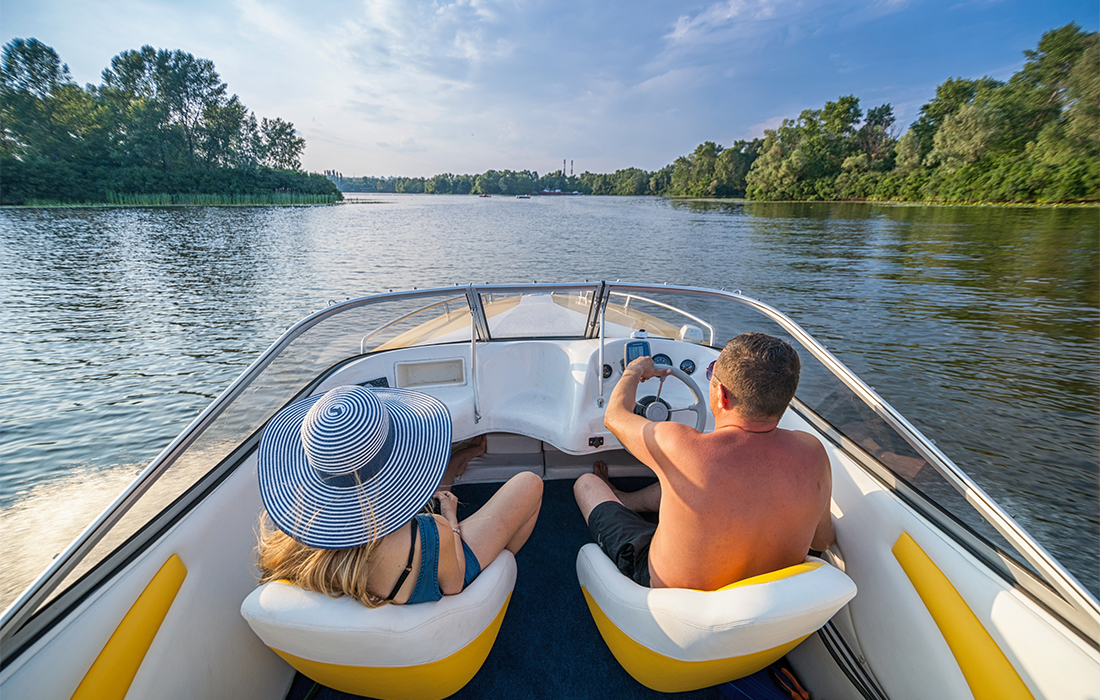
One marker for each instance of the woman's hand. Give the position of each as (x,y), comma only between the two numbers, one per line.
(448,507)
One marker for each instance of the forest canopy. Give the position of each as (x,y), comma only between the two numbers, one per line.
(160,122)
(1034,138)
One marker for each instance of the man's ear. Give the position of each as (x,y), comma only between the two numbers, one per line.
(726,400)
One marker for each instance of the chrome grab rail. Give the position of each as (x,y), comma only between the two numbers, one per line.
(603,310)
(384,326)
(23,607)
(1049,569)
(670,308)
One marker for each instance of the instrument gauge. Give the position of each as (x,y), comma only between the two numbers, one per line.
(662,359)
(687,366)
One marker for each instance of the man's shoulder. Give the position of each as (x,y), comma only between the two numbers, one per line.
(801,436)
(807,445)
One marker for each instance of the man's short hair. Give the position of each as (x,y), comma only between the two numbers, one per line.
(761,371)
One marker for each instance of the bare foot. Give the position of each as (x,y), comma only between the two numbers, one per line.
(599,468)
(645,500)
(460,459)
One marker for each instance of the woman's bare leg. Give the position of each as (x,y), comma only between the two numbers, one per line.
(506,521)
(459,461)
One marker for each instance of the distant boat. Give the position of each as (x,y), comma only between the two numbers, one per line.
(553,193)
(523,196)
(485,195)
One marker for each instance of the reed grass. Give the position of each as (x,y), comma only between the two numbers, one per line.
(206,200)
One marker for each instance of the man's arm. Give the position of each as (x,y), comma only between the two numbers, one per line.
(824,536)
(639,435)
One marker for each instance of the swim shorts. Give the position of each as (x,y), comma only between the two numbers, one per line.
(624,536)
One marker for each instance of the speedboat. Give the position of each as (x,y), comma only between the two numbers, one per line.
(952,597)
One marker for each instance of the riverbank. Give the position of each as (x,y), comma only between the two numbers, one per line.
(978,323)
(899,202)
(46,183)
(277,199)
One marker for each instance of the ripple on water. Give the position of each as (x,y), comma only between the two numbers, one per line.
(980,325)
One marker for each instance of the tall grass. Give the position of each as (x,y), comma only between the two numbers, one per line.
(206,200)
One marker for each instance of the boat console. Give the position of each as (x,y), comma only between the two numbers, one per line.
(938,564)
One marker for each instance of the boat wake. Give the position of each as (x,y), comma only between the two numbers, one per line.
(42,523)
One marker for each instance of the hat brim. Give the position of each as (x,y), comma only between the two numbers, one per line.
(319,514)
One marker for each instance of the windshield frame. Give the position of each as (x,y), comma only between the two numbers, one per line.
(1051,574)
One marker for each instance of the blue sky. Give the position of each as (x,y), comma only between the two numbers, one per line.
(404,87)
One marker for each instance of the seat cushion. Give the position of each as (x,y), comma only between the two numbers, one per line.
(393,651)
(673,639)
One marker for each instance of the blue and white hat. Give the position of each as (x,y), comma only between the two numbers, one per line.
(352,465)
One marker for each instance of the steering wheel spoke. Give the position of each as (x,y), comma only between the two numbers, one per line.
(657,409)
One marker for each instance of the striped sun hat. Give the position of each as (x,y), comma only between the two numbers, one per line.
(352,465)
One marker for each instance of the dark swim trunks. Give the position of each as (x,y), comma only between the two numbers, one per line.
(624,536)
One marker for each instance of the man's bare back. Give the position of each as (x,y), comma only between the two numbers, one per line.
(735,504)
(744,500)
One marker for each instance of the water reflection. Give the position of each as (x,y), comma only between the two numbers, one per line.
(979,324)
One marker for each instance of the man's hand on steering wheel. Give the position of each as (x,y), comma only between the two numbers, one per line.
(646,369)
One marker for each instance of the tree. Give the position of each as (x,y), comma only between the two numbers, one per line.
(733,166)
(220,133)
(487,183)
(439,184)
(188,86)
(839,119)
(693,175)
(282,145)
(876,138)
(1048,72)
(962,139)
(34,86)
(951,96)
(165,91)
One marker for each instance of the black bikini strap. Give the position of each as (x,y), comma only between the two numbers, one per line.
(409,566)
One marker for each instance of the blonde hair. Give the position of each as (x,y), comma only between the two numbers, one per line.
(334,572)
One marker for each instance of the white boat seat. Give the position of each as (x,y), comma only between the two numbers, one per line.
(394,652)
(676,639)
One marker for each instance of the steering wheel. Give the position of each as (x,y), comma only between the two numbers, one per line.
(657,409)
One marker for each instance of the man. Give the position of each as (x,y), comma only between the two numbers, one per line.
(744,500)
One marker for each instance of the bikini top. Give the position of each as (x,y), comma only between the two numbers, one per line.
(427,581)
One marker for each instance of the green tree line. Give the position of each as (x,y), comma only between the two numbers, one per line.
(1034,138)
(711,171)
(161,122)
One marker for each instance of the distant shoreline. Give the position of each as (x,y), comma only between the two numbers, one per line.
(732,200)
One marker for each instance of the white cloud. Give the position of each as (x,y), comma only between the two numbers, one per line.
(416,87)
(715,21)
(405,144)
(756,131)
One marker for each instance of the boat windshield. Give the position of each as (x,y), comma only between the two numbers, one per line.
(838,403)
(561,312)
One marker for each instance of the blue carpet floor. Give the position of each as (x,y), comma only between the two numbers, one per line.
(548,646)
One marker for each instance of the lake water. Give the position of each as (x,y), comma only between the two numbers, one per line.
(118,325)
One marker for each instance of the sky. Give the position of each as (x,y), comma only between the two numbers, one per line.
(413,88)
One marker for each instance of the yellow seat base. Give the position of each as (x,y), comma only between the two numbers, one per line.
(431,681)
(668,675)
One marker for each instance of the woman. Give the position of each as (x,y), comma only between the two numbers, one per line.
(343,477)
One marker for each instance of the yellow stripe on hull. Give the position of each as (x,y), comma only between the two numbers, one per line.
(988,672)
(114,669)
